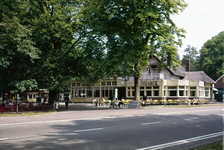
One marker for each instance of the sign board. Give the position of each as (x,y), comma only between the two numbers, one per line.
(133,104)
(149,82)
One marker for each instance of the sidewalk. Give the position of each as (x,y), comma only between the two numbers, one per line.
(77,111)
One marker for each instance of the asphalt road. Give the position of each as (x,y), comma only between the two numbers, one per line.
(115,133)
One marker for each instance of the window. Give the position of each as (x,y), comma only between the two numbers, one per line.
(114,83)
(96,92)
(149,93)
(89,92)
(142,87)
(29,96)
(129,88)
(78,84)
(192,93)
(206,93)
(141,93)
(102,91)
(181,87)
(129,93)
(109,83)
(181,93)
(82,92)
(75,92)
(192,88)
(173,93)
(156,87)
(73,84)
(103,83)
(148,87)
(164,93)
(34,96)
(110,92)
(133,93)
(156,93)
(172,87)
(106,92)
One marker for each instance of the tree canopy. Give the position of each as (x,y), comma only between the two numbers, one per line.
(211,56)
(62,39)
(59,31)
(17,57)
(134,30)
(191,54)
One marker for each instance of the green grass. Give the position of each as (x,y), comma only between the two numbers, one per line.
(178,106)
(214,146)
(25,114)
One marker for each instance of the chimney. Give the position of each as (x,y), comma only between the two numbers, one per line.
(188,65)
(168,59)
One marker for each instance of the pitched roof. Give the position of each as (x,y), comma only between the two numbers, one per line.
(220,78)
(195,75)
(198,75)
(179,71)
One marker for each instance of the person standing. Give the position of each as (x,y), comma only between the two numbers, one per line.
(66,101)
(144,97)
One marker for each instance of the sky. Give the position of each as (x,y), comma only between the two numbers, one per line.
(202,20)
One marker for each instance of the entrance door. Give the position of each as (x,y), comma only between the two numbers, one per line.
(121,93)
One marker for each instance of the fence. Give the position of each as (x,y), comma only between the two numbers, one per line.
(26,107)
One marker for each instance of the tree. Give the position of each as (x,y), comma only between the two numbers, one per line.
(134,30)
(17,56)
(61,34)
(191,54)
(211,56)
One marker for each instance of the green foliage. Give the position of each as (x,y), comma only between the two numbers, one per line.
(134,30)
(17,56)
(67,47)
(191,54)
(211,56)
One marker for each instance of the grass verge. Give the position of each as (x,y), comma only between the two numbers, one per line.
(26,114)
(178,106)
(214,146)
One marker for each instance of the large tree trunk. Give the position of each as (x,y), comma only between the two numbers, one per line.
(137,96)
(53,96)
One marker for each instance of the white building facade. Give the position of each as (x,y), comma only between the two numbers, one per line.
(155,83)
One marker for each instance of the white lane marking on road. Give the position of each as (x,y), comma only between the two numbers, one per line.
(88,130)
(3,139)
(161,146)
(150,123)
(180,112)
(191,119)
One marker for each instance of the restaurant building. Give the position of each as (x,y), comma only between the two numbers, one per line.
(155,83)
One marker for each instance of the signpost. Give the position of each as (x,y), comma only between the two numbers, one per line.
(133,104)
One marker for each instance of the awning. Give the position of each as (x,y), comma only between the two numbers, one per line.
(215,89)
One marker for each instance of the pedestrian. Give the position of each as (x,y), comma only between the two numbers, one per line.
(144,97)
(122,102)
(66,101)
(116,102)
(195,100)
